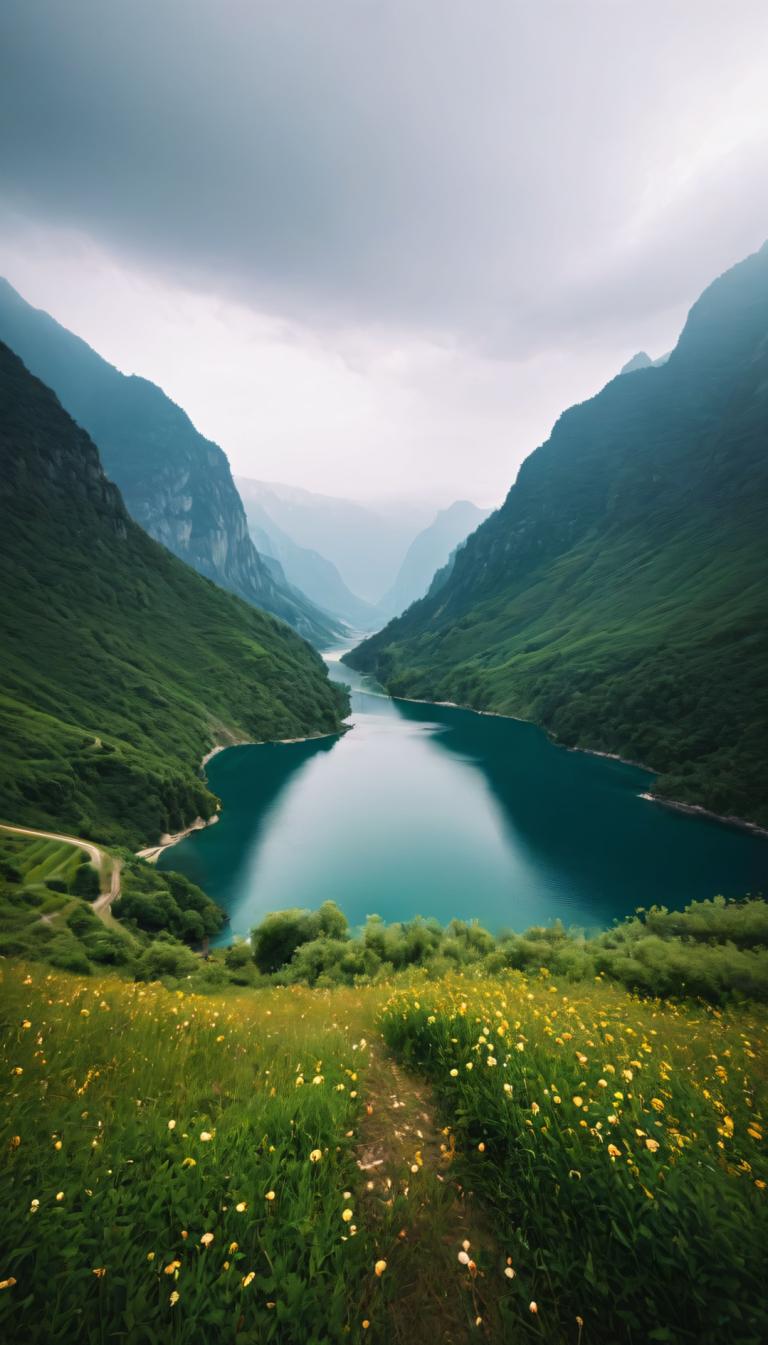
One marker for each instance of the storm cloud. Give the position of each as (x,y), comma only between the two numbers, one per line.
(506,179)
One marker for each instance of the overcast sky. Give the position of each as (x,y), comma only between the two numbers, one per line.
(376,246)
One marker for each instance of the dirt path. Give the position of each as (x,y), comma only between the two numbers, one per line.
(107,867)
(425,1214)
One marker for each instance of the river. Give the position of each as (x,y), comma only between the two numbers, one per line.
(437,811)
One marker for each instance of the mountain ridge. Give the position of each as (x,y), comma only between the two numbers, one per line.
(175,483)
(122,665)
(618,597)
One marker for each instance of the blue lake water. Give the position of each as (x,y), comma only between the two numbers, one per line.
(436,811)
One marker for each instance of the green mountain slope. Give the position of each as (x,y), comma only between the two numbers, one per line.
(121,666)
(175,483)
(620,595)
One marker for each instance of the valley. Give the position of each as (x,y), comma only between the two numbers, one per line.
(383,674)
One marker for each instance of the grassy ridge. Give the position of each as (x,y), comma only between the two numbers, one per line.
(121,666)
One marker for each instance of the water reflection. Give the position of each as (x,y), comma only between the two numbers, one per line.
(432,810)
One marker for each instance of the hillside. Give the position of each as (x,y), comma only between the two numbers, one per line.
(430,551)
(620,595)
(175,483)
(121,666)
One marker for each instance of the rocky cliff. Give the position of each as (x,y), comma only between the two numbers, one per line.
(176,483)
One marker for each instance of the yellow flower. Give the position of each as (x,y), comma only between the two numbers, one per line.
(205,1136)
(454,1073)
(652,1145)
(481,1147)
(270,1195)
(150,1256)
(189,1163)
(380,1267)
(346,1215)
(174,1298)
(232,1247)
(7,1284)
(206,1239)
(59,1195)
(241,1206)
(657,1104)
(754,1132)
(171,1268)
(613,1151)
(99,1271)
(247,1279)
(171,1125)
(533,1307)
(315,1155)
(578,1101)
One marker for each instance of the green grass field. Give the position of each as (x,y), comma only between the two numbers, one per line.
(192,1169)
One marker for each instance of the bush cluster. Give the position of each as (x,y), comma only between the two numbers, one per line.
(714,949)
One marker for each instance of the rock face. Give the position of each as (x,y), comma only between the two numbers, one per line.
(175,483)
(620,595)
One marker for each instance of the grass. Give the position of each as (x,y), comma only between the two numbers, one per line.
(159,1182)
(619,1144)
(167,1143)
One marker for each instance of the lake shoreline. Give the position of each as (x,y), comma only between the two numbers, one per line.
(152,853)
(693,809)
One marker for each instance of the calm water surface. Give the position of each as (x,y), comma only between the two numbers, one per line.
(430,810)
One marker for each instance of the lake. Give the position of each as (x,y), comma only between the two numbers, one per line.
(432,810)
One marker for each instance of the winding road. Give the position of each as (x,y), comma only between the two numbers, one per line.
(108,868)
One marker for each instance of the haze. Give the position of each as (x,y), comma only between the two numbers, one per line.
(362,243)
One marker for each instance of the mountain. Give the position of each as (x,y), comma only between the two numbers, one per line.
(317,577)
(121,666)
(620,595)
(430,551)
(175,483)
(366,544)
(643,361)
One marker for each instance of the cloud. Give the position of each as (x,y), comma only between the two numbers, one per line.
(379,236)
(490,170)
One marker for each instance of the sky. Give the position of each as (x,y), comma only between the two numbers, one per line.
(375,247)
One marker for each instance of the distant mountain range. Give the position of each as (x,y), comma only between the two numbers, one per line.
(365,543)
(121,666)
(316,576)
(175,483)
(620,595)
(429,552)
